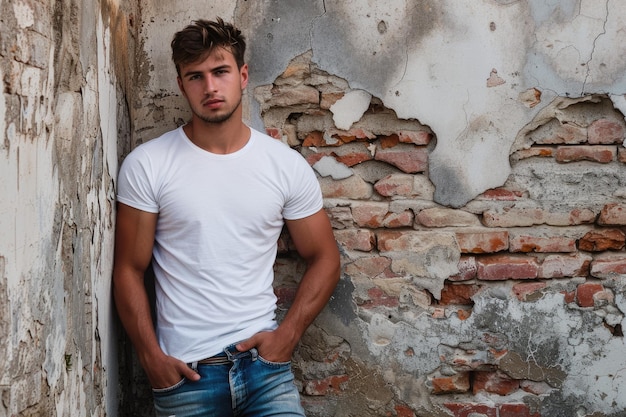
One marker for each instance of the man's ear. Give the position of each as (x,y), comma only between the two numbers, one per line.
(243,73)
(180,86)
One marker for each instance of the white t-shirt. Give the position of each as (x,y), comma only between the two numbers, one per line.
(220,217)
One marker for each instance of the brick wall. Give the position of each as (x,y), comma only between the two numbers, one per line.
(433,300)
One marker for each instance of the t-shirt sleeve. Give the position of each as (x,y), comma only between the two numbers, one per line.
(305,197)
(135,182)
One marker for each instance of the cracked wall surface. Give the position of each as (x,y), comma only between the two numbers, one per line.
(64,67)
(471,158)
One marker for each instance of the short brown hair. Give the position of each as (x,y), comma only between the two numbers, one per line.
(196,41)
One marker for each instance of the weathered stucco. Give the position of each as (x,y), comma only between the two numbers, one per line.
(60,113)
(472,160)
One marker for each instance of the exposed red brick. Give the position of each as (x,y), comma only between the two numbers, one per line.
(402,219)
(467,269)
(621,155)
(471,409)
(483,241)
(353,187)
(285,296)
(516,410)
(355,133)
(501,194)
(390,141)
(333,384)
(537,388)
(602,240)
(530,243)
(563,133)
(597,153)
(518,217)
(453,384)
(569,296)
(413,241)
(355,239)
(494,382)
(354,158)
(613,214)
(439,313)
(585,293)
(396,184)
(409,159)
(463,314)
(416,137)
(378,297)
(535,151)
(315,138)
(458,294)
(328,99)
(274,132)
(369,214)
(526,290)
(605,131)
(403,411)
(285,96)
(608,266)
(565,266)
(503,267)
(446,217)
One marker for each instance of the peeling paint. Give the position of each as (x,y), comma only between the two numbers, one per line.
(350,108)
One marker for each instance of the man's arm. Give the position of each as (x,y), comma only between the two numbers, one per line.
(134,239)
(314,240)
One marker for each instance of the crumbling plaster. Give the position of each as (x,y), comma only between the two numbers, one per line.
(481,75)
(60,112)
(477,60)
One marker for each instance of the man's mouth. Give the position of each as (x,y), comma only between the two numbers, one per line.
(212,103)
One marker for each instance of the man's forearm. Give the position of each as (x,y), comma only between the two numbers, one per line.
(133,308)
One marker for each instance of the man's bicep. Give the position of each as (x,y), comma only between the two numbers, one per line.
(134,237)
(312,235)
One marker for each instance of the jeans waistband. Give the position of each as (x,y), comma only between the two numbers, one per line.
(229,355)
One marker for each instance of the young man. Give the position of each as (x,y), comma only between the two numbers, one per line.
(206,204)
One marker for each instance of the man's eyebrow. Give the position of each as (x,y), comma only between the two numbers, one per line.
(198,72)
(188,73)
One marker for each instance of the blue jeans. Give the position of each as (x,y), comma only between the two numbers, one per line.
(247,385)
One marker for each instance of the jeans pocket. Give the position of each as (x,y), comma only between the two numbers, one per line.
(273,364)
(167,390)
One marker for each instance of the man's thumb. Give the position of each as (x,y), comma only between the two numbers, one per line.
(245,345)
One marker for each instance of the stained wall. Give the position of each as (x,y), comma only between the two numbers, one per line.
(472,162)
(471,156)
(63,111)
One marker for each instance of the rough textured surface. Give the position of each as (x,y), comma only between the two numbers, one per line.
(479,201)
(63,70)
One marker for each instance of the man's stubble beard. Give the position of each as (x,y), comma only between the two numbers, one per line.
(219,118)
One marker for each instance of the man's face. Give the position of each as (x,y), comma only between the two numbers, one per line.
(213,86)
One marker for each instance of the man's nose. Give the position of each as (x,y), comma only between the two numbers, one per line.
(209,84)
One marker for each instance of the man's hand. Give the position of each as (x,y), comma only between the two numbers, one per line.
(272,345)
(168,372)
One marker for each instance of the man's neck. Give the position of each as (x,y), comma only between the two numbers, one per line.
(218,138)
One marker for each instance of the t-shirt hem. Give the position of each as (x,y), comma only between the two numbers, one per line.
(134,204)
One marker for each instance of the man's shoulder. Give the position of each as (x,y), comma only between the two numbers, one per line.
(273,145)
(157,146)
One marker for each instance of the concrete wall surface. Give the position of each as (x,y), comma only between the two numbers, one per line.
(472,160)
(63,66)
